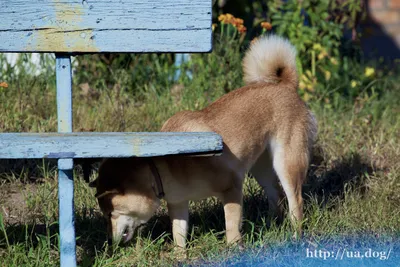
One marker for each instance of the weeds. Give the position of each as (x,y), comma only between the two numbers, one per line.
(351,196)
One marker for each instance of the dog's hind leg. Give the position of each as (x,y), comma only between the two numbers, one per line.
(232,200)
(266,177)
(290,163)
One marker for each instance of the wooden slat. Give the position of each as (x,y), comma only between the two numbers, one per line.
(105,145)
(105,26)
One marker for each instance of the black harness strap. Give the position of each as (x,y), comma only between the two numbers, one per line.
(158,188)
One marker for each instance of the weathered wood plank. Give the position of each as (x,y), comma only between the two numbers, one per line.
(65,166)
(105,26)
(104,145)
(64,92)
(66,213)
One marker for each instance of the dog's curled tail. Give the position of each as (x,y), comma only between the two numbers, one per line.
(270,59)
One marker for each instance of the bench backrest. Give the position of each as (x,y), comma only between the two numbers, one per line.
(94,26)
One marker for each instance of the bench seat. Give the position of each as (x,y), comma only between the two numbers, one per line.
(107,145)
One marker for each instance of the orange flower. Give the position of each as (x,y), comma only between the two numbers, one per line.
(237,22)
(266,25)
(4,84)
(229,18)
(222,18)
(241,29)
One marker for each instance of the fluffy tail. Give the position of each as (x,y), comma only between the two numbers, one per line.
(270,59)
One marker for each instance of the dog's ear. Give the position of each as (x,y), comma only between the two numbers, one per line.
(100,195)
(93,184)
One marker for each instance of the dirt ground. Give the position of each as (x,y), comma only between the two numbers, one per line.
(13,205)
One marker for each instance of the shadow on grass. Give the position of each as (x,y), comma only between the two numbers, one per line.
(33,170)
(26,170)
(330,180)
(325,181)
(90,230)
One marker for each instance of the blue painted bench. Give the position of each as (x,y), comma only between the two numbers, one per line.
(69,27)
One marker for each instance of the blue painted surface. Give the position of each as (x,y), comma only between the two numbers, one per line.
(65,166)
(179,60)
(64,93)
(66,212)
(100,26)
(105,26)
(105,145)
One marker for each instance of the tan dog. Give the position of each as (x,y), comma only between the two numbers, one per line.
(267,130)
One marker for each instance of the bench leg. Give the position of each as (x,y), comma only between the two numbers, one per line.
(65,166)
(66,212)
(179,60)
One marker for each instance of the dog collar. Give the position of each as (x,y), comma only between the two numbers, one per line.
(157,185)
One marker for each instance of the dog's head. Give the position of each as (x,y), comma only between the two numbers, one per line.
(125,196)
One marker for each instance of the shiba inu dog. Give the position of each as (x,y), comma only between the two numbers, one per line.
(267,131)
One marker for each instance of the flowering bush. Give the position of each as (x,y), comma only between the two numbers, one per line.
(316,29)
(231,27)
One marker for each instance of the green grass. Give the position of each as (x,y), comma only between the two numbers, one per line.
(352,195)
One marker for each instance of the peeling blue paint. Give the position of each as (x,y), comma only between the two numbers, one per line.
(75,26)
(135,26)
(105,145)
(61,155)
(65,165)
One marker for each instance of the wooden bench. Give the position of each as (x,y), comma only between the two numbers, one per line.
(69,27)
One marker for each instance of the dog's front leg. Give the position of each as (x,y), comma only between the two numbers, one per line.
(179,215)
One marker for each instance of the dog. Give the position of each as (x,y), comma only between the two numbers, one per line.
(267,130)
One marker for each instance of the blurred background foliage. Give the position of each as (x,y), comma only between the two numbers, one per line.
(332,69)
(354,173)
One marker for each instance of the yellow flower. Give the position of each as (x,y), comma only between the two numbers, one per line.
(327,75)
(213,26)
(334,61)
(369,71)
(310,87)
(306,97)
(322,55)
(302,85)
(353,83)
(229,19)
(317,46)
(304,78)
(229,16)
(266,25)
(4,84)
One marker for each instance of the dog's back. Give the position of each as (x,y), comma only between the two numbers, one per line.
(266,110)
